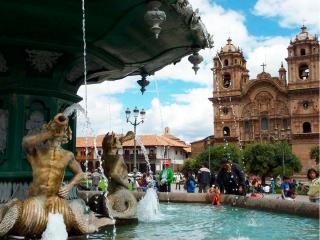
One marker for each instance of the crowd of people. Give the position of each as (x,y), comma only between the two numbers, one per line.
(230,179)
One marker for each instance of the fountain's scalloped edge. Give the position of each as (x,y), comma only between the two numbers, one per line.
(305,209)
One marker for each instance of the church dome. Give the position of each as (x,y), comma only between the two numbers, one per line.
(229,47)
(303,35)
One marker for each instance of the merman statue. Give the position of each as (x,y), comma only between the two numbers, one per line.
(123,204)
(47,194)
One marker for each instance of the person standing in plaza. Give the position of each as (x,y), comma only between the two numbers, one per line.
(273,185)
(314,185)
(166,177)
(204,178)
(190,183)
(231,178)
(285,187)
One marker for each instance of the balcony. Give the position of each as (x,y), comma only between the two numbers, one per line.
(140,156)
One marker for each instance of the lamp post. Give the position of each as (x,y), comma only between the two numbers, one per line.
(135,123)
(282,136)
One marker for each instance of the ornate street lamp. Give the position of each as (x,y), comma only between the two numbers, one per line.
(154,17)
(135,123)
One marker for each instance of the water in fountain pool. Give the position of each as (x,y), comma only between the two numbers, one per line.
(203,222)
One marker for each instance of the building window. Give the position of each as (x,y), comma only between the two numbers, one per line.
(126,152)
(302,52)
(225,110)
(226,80)
(226,131)
(304,71)
(305,104)
(235,61)
(306,127)
(151,151)
(285,123)
(264,124)
(247,125)
(226,62)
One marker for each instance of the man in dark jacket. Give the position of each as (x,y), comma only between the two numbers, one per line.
(204,178)
(231,179)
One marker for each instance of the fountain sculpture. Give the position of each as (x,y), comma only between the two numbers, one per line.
(47,193)
(122,202)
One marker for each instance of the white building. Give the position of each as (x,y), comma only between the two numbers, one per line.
(158,149)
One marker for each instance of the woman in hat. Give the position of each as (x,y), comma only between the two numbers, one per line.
(165,177)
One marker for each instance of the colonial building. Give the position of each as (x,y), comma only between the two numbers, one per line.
(94,151)
(155,148)
(269,108)
(158,148)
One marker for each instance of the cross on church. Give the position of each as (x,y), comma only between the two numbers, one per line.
(263,65)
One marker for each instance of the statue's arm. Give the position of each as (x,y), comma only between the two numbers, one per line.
(29,142)
(75,168)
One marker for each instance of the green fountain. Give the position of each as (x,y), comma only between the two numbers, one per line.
(41,58)
(47,51)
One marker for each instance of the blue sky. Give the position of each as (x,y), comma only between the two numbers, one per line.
(178,98)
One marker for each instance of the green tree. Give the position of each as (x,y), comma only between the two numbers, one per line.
(315,153)
(190,165)
(268,159)
(259,159)
(218,153)
(283,154)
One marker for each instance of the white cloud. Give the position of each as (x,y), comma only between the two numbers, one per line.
(292,13)
(271,51)
(104,111)
(189,117)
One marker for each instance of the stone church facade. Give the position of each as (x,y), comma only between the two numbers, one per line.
(269,108)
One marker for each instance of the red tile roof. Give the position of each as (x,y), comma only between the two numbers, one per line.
(81,141)
(147,140)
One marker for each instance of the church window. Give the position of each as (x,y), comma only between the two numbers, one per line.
(226,131)
(226,80)
(264,124)
(226,62)
(246,126)
(305,104)
(225,110)
(306,127)
(302,52)
(285,123)
(235,61)
(304,71)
